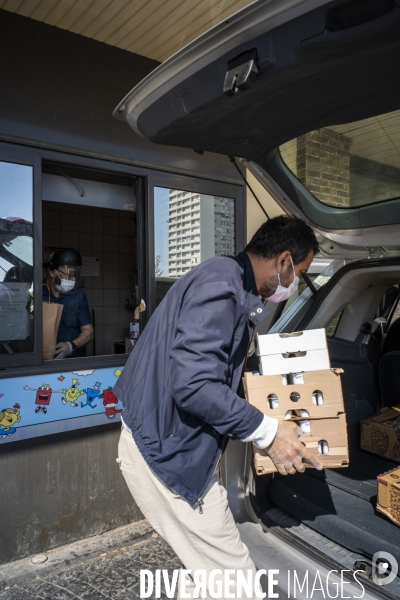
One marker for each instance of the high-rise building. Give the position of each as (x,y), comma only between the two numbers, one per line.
(200,227)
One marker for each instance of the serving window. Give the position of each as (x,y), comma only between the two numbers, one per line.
(137,232)
(95,213)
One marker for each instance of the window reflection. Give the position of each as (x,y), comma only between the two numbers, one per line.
(16,258)
(189,228)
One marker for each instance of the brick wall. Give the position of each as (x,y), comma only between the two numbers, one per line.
(323,165)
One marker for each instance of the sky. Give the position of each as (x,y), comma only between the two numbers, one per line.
(16,193)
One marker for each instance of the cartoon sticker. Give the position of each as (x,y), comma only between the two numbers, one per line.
(72,394)
(8,417)
(92,394)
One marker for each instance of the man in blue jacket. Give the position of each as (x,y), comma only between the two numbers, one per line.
(179,388)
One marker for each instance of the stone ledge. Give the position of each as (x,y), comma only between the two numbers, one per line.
(24,570)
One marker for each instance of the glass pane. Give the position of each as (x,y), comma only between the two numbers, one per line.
(189,228)
(301,299)
(16,258)
(349,165)
(333,325)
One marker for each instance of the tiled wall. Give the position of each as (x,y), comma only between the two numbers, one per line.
(109,235)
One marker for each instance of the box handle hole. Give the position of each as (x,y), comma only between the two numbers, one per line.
(318,397)
(323,447)
(290,414)
(273,401)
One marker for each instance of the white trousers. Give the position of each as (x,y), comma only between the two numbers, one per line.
(209,540)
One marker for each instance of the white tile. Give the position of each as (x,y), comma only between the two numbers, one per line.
(97,224)
(99,348)
(112,333)
(111,260)
(112,226)
(70,238)
(97,242)
(97,298)
(111,315)
(85,223)
(97,282)
(85,243)
(99,333)
(99,315)
(111,279)
(111,297)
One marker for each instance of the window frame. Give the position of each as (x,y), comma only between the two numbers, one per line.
(199,186)
(32,159)
(148,178)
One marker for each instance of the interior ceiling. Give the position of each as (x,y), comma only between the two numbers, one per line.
(153,28)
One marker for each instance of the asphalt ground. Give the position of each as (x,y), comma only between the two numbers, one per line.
(105,566)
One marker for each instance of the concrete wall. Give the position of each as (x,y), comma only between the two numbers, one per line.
(59,90)
(58,489)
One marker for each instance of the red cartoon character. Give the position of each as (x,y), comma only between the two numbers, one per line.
(43,396)
(110,402)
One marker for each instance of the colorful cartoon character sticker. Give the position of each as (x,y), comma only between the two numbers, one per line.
(110,402)
(43,396)
(92,394)
(9,416)
(72,394)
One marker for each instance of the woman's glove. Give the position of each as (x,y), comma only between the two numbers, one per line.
(288,453)
(63,349)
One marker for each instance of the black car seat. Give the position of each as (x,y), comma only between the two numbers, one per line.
(389,367)
(389,377)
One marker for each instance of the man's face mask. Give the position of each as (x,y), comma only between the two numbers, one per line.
(283,293)
(65,281)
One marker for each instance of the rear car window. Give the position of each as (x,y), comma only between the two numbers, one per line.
(349,165)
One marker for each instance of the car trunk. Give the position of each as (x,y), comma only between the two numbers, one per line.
(340,504)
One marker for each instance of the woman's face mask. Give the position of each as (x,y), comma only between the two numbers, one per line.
(283,293)
(64,285)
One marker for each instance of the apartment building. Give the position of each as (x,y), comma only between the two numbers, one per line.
(200,227)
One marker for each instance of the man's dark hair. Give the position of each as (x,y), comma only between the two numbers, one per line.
(283,233)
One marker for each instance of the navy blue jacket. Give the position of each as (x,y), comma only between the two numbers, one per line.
(179,385)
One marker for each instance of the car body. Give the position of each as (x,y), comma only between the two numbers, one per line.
(264,86)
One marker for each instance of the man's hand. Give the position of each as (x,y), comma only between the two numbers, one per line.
(63,349)
(287,452)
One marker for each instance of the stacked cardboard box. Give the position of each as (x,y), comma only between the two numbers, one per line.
(380,434)
(388,501)
(296,383)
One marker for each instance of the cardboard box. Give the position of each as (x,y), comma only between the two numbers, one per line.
(129,344)
(388,501)
(258,389)
(299,341)
(312,360)
(378,435)
(333,431)
(293,352)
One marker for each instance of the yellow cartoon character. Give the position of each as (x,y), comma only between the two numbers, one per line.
(9,416)
(72,394)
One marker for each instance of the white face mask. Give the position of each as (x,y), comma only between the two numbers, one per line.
(283,293)
(65,285)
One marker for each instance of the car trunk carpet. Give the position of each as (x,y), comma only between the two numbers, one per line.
(340,503)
